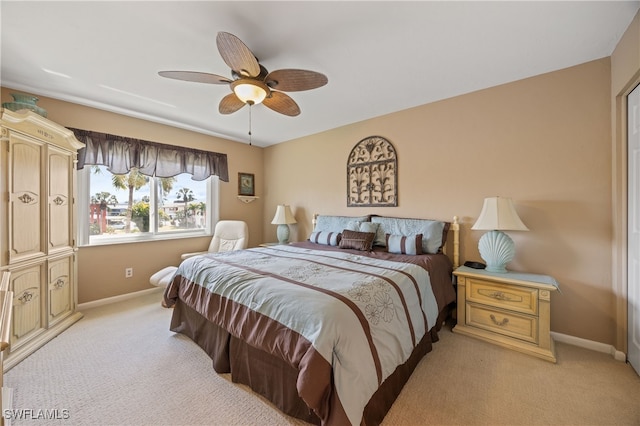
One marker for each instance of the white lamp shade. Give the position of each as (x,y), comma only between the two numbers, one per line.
(498,213)
(283,216)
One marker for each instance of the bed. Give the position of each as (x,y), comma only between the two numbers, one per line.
(329,329)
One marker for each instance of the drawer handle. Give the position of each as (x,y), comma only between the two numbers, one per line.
(500,295)
(58,284)
(499,323)
(25,297)
(26,198)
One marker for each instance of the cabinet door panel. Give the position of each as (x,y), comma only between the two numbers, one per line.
(60,200)
(60,291)
(25,198)
(26,285)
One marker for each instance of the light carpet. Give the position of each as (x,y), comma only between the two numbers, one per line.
(120,365)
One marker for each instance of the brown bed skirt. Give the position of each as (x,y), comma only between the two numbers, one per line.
(273,378)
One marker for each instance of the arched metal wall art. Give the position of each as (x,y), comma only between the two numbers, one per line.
(372,174)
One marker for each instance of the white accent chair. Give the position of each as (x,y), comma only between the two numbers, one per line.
(228,235)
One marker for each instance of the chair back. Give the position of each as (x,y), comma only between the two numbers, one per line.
(229,235)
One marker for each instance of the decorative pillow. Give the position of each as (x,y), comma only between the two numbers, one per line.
(399,244)
(336,223)
(326,238)
(360,226)
(357,240)
(431,230)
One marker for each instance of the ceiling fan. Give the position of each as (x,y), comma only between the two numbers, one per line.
(251,83)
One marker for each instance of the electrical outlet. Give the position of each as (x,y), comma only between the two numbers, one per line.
(128,272)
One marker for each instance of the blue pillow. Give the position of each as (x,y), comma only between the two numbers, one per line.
(360,226)
(336,223)
(431,230)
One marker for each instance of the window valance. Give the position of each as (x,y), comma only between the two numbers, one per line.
(121,154)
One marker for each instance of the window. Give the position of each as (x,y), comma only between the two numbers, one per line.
(134,207)
(136,190)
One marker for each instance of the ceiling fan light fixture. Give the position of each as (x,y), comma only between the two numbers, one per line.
(250,91)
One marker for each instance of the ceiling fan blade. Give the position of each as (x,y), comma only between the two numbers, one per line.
(237,55)
(230,104)
(199,77)
(293,80)
(279,102)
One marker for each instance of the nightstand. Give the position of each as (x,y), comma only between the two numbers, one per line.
(510,309)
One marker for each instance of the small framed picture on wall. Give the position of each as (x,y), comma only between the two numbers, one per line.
(246,184)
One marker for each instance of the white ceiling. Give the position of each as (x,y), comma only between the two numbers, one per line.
(380,57)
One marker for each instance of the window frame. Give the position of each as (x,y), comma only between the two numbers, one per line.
(86,240)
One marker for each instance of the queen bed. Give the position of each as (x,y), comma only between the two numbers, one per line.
(328,329)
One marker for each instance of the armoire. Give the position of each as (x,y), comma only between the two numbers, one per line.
(37,229)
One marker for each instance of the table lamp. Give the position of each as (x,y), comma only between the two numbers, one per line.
(497,248)
(283,218)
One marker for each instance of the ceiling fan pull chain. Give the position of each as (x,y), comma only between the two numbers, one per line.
(250,103)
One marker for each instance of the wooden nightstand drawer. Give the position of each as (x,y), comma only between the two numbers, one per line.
(510,309)
(523,327)
(513,298)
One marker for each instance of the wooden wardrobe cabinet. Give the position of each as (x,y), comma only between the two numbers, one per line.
(37,228)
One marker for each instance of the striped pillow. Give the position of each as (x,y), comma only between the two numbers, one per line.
(400,244)
(325,237)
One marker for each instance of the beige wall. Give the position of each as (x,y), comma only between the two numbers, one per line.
(101,269)
(544,141)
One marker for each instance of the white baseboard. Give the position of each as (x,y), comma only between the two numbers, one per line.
(114,299)
(590,344)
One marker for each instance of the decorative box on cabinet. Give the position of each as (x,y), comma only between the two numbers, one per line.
(509,309)
(37,228)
